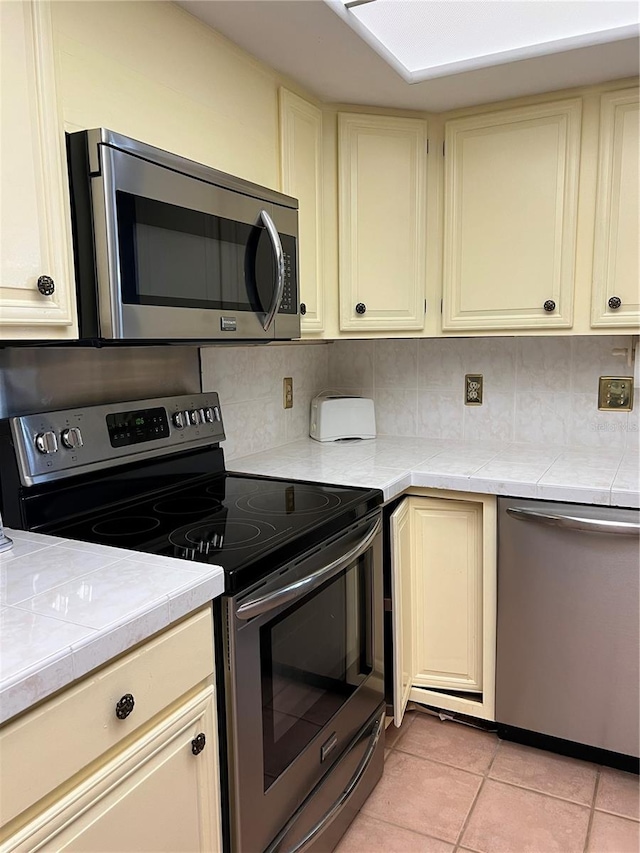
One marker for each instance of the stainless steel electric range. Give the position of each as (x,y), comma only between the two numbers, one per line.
(299,628)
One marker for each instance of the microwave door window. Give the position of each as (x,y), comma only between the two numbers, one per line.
(175,257)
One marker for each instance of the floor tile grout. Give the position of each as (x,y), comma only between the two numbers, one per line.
(407,828)
(585,811)
(593,808)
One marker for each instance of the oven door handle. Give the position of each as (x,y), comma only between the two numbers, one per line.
(278,255)
(330,814)
(264,603)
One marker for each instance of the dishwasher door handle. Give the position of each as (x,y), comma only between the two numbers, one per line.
(569,522)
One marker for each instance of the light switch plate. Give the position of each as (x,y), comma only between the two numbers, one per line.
(615,394)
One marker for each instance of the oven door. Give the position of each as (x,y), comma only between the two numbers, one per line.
(179,258)
(304,676)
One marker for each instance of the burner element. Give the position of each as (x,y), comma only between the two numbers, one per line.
(293,499)
(125,525)
(186,506)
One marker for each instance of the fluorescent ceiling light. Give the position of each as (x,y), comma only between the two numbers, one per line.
(423,39)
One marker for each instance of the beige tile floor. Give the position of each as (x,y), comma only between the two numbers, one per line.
(447,787)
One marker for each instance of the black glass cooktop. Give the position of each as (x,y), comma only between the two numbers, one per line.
(248,525)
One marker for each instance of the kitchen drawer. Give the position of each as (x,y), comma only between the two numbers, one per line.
(69,731)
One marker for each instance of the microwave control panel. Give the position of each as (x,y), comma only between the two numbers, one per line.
(289,303)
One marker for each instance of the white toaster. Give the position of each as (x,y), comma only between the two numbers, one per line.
(334,417)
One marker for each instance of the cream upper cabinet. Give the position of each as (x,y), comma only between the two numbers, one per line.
(382,229)
(511,194)
(34,219)
(616,260)
(444,600)
(301,177)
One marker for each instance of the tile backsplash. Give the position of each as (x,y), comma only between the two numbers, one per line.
(249,382)
(536,390)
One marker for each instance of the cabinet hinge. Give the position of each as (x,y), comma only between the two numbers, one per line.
(425,306)
(443,146)
(388,604)
(427,146)
(441,306)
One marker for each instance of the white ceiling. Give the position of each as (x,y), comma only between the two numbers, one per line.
(307,41)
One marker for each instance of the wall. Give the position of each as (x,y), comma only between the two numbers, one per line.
(249,382)
(535,391)
(153,72)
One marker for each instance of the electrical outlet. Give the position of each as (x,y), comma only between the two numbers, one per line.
(287,392)
(473,389)
(615,393)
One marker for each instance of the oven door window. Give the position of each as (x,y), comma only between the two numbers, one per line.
(175,257)
(313,658)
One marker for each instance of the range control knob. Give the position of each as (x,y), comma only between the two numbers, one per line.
(207,415)
(179,420)
(71,438)
(216,413)
(194,417)
(46,442)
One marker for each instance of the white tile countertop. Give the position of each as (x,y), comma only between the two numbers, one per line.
(578,475)
(68,607)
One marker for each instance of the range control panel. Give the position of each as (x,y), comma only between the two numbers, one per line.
(59,444)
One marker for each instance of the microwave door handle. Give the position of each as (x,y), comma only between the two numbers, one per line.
(278,253)
(264,603)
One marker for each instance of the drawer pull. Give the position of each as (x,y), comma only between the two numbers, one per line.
(198,743)
(125,706)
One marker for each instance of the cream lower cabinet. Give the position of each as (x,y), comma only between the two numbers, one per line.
(511,210)
(151,783)
(616,259)
(382,229)
(35,243)
(444,602)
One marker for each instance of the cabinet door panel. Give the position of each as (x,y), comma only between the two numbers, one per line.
(34,233)
(447,582)
(511,182)
(382,201)
(155,796)
(616,259)
(301,164)
(403,616)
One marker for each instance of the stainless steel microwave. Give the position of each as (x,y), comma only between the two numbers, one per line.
(168,250)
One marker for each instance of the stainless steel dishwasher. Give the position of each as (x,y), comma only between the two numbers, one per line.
(568,622)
